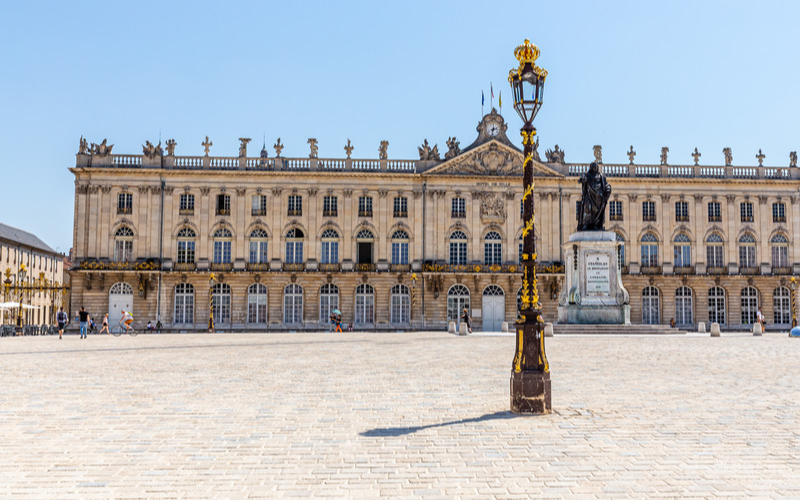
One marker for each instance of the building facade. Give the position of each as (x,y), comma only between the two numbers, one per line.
(44,270)
(407,244)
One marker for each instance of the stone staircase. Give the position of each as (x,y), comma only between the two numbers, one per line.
(616,330)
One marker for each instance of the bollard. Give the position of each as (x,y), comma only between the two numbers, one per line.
(757,330)
(701,327)
(548,329)
(504,327)
(462,329)
(795,332)
(451,328)
(715,329)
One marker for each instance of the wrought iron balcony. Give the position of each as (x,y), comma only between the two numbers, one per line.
(258,211)
(779,218)
(714,218)
(747,218)
(749,270)
(649,217)
(365,268)
(184,266)
(330,267)
(258,266)
(400,268)
(717,270)
(681,218)
(125,210)
(186,211)
(300,266)
(458,215)
(781,270)
(365,213)
(223,211)
(221,266)
(650,270)
(294,212)
(616,217)
(683,270)
(400,213)
(330,213)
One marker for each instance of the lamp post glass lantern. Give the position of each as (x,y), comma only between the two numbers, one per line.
(530,372)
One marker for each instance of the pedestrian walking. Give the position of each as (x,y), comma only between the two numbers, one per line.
(760,319)
(467,320)
(83,316)
(105,325)
(62,318)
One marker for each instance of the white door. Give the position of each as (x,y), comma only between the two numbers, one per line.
(120,298)
(494,308)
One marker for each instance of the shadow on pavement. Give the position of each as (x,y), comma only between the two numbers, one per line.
(401,431)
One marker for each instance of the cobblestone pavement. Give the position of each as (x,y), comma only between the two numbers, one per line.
(401,415)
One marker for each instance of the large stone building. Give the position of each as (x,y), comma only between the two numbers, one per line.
(402,244)
(44,269)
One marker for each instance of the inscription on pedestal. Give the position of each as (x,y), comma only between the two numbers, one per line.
(597,274)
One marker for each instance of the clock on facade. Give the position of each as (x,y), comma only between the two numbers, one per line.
(493,129)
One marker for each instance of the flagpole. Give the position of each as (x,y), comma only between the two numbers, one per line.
(482,100)
(491,96)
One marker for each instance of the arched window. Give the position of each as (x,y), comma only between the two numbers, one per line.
(294,246)
(457,301)
(257,304)
(121,288)
(780,251)
(258,246)
(458,248)
(184,304)
(683,251)
(781,306)
(123,244)
(651,306)
(221,303)
(328,301)
(716,305)
(293,304)
(620,250)
(492,249)
(714,252)
(749,305)
(400,305)
(330,247)
(649,250)
(400,247)
(684,306)
(747,251)
(365,304)
(222,246)
(186,242)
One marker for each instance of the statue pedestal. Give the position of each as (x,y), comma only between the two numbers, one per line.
(593,292)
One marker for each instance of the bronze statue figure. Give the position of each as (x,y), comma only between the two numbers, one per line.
(595,192)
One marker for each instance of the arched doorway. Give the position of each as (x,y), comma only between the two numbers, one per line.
(651,306)
(457,301)
(328,301)
(684,307)
(494,308)
(120,298)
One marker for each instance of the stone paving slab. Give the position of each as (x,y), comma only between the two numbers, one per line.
(400,415)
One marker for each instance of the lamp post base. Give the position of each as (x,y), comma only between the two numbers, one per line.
(530,392)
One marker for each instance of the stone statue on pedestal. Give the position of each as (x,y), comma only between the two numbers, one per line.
(594,197)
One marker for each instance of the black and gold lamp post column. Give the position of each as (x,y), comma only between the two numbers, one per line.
(21,275)
(793,284)
(530,373)
(211,281)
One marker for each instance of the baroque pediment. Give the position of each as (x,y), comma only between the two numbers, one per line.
(492,159)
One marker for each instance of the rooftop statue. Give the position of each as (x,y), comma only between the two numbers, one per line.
(728,156)
(171,147)
(83,146)
(664,152)
(696,155)
(554,155)
(207,145)
(598,153)
(631,154)
(428,153)
(595,192)
(314,148)
(535,153)
(243,146)
(278,148)
(348,149)
(382,154)
(151,151)
(453,148)
(793,159)
(102,149)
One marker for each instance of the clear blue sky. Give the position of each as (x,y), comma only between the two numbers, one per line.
(647,74)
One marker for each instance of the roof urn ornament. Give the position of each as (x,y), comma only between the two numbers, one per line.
(171,147)
(348,149)
(728,156)
(664,152)
(314,148)
(760,156)
(696,155)
(631,154)
(382,154)
(243,146)
(278,148)
(598,153)
(207,145)
(793,159)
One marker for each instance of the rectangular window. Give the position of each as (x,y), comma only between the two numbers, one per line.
(778,212)
(125,203)
(649,211)
(649,255)
(681,211)
(259,205)
(458,253)
(714,256)
(401,206)
(258,252)
(187,204)
(615,210)
(330,206)
(492,253)
(330,252)
(185,251)
(223,204)
(747,256)
(222,252)
(714,213)
(123,250)
(458,208)
(746,211)
(365,206)
(399,253)
(683,256)
(295,205)
(780,256)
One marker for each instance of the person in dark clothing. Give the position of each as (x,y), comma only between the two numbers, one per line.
(465,317)
(63,319)
(83,316)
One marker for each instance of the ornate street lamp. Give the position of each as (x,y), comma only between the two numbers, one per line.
(211,282)
(22,274)
(530,373)
(793,284)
